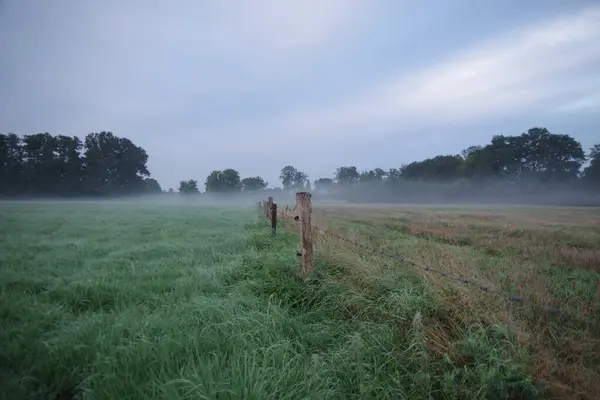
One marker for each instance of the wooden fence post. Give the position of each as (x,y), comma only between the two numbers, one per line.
(269,205)
(265,205)
(303,202)
(274,218)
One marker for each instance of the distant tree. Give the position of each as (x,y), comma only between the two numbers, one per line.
(366,176)
(253,184)
(39,168)
(392,175)
(550,156)
(292,178)
(188,187)
(591,174)
(323,183)
(12,179)
(537,154)
(171,191)
(380,174)
(374,175)
(347,175)
(213,182)
(226,181)
(113,165)
(152,186)
(465,153)
(69,162)
(50,165)
(300,180)
(437,169)
(45,165)
(480,164)
(287,176)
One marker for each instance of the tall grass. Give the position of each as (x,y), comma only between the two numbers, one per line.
(126,302)
(481,246)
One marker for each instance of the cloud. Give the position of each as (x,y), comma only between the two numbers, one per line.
(516,73)
(587,104)
(157,57)
(270,28)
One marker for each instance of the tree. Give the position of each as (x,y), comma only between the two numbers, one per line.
(537,154)
(188,187)
(254,183)
(556,157)
(113,165)
(69,162)
(380,174)
(42,164)
(11,164)
(287,176)
(347,175)
(40,170)
(226,181)
(591,174)
(323,183)
(483,163)
(300,180)
(392,176)
(152,186)
(437,169)
(466,152)
(375,175)
(291,178)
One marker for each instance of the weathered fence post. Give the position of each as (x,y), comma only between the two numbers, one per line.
(265,205)
(304,206)
(269,205)
(274,218)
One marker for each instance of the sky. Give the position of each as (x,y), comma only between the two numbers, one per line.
(259,84)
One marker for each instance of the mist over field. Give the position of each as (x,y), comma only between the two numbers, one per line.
(536,167)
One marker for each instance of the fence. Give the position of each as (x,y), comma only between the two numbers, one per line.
(302,212)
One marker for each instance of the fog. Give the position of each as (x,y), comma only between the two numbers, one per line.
(485,192)
(414,194)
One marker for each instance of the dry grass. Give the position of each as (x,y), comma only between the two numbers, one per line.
(548,257)
(554,235)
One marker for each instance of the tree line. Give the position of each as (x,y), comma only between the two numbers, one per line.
(103,164)
(229,181)
(532,163)
(537,155)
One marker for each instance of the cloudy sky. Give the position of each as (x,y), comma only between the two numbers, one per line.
(258,84)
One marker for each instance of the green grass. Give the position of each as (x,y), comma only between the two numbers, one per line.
(124,301)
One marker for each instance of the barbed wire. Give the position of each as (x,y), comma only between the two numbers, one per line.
(486,289)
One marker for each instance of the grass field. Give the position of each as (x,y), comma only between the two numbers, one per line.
(134,301)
